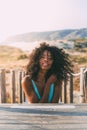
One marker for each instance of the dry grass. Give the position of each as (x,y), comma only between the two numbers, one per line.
(12,58)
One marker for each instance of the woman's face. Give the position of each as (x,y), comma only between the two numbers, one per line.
(46,60)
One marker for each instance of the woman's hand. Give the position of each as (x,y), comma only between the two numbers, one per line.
(52,79)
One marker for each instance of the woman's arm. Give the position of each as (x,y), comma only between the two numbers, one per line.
(52,79)
(28,90)
(57,94)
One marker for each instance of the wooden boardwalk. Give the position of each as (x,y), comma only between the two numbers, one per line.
(43,117)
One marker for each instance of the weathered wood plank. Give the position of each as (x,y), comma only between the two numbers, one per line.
(13,84)
(43,117)
(2,86)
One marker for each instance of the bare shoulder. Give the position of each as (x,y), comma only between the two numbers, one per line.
(26,79)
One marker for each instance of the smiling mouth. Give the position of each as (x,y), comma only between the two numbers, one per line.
(45,64)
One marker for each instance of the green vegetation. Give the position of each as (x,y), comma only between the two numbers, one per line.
(23,56)
(80,43)
(80,60)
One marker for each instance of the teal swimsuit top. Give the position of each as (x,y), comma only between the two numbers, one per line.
(51,92)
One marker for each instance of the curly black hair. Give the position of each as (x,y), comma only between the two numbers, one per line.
(61,66)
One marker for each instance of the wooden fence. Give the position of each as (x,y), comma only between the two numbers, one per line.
(10,86)
(11,90)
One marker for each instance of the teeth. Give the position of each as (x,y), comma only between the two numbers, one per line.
(45,64)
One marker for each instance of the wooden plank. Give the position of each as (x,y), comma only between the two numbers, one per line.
(81,85)
(2,86)
(65,92)
(71,88)
(19,86)
(43,117)
(13,84)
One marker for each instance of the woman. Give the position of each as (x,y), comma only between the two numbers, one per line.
(48,66)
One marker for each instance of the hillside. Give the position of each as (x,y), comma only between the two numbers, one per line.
(49,36)
(12,57)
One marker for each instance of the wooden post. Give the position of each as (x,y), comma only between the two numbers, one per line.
(22,97)
(2,86)
(61,98)
(23,94)
(81,85)
(65,92)
(19,87)
(12,86)
(71,88)
(85,86)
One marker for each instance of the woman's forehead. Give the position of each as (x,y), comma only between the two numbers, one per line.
(46,52)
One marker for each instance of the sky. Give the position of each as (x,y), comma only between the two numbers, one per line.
(22,16)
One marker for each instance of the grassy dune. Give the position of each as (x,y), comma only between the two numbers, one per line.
(11,57)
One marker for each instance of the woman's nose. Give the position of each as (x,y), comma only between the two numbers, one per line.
(46,58)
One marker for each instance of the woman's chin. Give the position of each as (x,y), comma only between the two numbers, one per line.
(45,69)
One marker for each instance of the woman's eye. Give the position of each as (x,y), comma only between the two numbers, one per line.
(50,58)
(42,57)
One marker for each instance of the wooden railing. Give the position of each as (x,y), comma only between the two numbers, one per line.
(11,90)
(10,86)
(68,88)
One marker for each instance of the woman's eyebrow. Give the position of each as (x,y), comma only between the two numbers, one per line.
(47,55)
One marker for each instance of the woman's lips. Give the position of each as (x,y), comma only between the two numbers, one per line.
(44,64)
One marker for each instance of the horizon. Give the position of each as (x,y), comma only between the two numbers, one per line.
(22,44)
(41,32)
